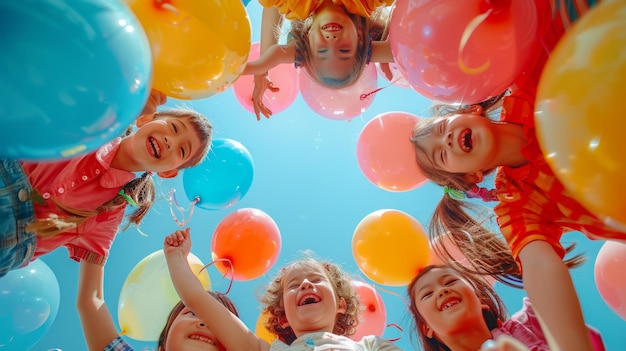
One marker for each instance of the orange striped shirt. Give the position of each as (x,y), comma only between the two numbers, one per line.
(533,204)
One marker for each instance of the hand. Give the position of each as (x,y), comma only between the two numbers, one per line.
(179,241)
(156,98)
(261,83)
(504,343)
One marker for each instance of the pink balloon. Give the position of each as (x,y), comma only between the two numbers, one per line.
(397,78)
(456,255)
(609,276)
(283,76)
(340,104)
(462,51)
(374,316)
(385,154)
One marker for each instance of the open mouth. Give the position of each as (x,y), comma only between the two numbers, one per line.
(449,303)
(308,299)
(465,140)
(203,338)
(332,27)
(154,146)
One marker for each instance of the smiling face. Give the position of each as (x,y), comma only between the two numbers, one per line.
(162,143)
(188,333)
(333,40)
(309,300)
(462,143)
(447,303)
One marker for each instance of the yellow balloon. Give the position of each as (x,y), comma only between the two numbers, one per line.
(148,295)
(390,247)
(199,47)
(579,114)
(262,332)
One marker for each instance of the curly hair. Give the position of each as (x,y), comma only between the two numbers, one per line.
(273,306)
(369,29)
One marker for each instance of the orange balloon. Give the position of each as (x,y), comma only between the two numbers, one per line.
(374,315)
(390,247)
(262,332)
(579,111)
(199,48)
(385,154)
(248,241)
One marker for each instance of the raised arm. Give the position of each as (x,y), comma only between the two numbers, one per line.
(98,326)
(227,328)
(551,290)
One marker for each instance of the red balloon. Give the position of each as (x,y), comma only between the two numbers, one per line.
(374,315)
(385,154)
(283,76)
(248,241)
(609,276)
(462,51)
(340,104)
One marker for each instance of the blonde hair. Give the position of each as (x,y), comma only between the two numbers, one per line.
(141,190)
(369,29)
(273,306)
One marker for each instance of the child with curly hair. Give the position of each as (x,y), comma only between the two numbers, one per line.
(311,305)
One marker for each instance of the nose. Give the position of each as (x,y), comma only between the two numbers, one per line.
(447,140)
(168,142)
(201,324)
(443,291)
(330,36)
(306,284)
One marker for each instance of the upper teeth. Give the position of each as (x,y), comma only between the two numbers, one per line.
(202,338)
(449,304)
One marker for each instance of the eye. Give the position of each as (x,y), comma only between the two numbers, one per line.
(345,51)
(452,281)
(428,294)
(174,128)
(443,157)
(190,312)
(182,151)
(321,51)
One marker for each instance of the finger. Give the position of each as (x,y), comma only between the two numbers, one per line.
(168,240)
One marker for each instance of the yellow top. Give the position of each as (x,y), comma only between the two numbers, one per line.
(301,9)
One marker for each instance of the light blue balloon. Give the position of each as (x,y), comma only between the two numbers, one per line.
(30,299)
(222,178)
(73,75)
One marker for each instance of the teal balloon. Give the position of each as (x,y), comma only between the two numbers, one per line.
(73,76)
(222,178)
(30,298)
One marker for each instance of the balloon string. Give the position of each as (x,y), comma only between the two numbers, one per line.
(397,327)
(231,270)
(365,96)
(467,33)
(172,200)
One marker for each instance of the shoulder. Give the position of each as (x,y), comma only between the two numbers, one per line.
(118,344)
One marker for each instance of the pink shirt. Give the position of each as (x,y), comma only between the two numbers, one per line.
(524,326)
(83,183)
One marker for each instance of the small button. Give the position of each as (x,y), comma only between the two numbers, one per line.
(97,171)
(60,190)
(22,195)
(46,196)
(83,177)
(73,184)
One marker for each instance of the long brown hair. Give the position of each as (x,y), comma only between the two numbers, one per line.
(369,29)
(222,298)
(141,189)
(486,251)
(486,294)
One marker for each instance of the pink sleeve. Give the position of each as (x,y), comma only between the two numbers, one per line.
(94,242)
(596,339)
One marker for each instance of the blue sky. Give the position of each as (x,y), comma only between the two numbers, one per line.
(307,178)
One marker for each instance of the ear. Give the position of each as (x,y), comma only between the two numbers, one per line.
(143,119)
(476,109)
(342,306)
(485,307)
(426,330)
(168,174)
(474,177)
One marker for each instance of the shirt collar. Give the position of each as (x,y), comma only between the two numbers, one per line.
(112,177)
